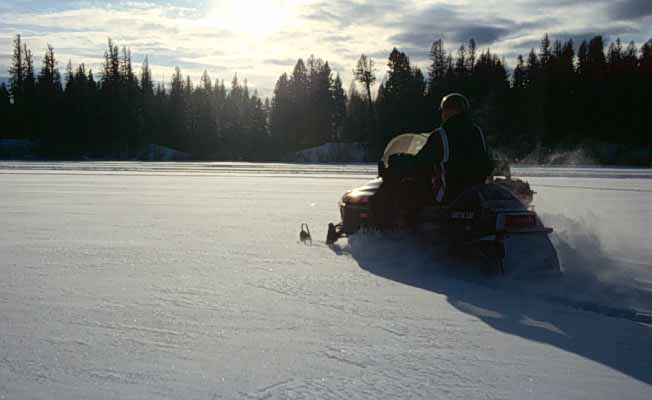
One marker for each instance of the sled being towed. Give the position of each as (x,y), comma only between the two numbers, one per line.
(495,219)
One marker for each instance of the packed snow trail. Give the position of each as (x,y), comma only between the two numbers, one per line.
(127,281)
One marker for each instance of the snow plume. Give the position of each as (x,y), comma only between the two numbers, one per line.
(591,274)
(580,155)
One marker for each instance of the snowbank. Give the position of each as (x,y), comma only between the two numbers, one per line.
(334,152)
(16,149)
(155,152)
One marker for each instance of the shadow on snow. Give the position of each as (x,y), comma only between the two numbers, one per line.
(533,310)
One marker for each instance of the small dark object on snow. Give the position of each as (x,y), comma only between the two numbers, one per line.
(334,233)
(304,235)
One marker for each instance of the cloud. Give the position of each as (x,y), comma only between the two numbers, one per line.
(631,9)
(416,38)
(345,13)
(190,34)
(337,37)
(424,36)
(482,34)
(286,62)
(459,24)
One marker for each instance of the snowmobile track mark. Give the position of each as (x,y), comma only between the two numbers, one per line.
(393,332)
(341,359)
(275,385)
(607,311)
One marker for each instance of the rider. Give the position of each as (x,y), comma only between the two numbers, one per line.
(457,150)
(457,154)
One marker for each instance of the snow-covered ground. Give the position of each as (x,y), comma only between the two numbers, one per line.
(170,281)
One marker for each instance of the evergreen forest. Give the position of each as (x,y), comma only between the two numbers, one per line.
(561,96)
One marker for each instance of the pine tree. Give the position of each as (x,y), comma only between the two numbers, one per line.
(146,82)
(545,53)
(520,74)
(49,79)
(6,114)
(126,69)
(646,58)
(177,111)
(615,57)
(438,66)
(645,74)
(519,105)
(298,89)
(205,82)
(471,56)
(568,57)
(30,110)
(535,126)
(111,67)
(110,116)
(400,100)
(233,128)
(356,123)
(280,114)
(30,79)
(92,84)
(321,104)
(5,98)
(461,64)
(533,68)
(260,140)
(596,59)
(219,101)
(49,93)
(439,82)
(582,58)
(148,103)
(206,143)
(597,99)
(17,72)
(339,108)
(365,73)
(630,58)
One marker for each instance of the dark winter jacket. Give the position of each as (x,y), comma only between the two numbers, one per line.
(457,151)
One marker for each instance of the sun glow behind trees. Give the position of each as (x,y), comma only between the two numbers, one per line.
(251,17)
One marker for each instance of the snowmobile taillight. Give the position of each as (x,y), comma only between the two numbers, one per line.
(520,221)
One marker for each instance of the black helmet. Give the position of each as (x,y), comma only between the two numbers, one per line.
(456,100)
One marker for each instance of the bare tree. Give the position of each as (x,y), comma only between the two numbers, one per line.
(364,73)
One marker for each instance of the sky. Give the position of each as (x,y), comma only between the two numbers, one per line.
(259,40)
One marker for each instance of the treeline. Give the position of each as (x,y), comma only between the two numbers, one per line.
(308,107)
(565,97)
(116,114)
(559,96)
(556,99)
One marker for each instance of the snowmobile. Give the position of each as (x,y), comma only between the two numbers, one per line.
(495,220)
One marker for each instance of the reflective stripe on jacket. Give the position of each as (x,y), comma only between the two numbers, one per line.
(457,151)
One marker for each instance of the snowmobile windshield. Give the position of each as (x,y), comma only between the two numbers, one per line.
(407,143)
